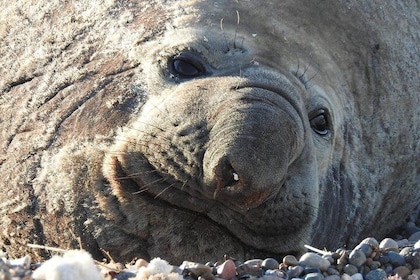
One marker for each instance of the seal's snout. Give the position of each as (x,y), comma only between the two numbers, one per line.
(226,176)
(250,149)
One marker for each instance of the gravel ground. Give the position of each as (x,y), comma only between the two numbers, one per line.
(397,257)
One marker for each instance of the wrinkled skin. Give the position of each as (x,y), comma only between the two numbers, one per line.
(197,129)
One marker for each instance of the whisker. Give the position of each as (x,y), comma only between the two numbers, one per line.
(184,184)
(165,189)
(236,29)
(145,187)
(224,36)
(136,174)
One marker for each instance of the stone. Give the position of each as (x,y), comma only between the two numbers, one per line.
(270,263)
(388,244)
(141,263)
(197,269)
(414,260)
(357,257)
(249,270)
(314,260)
(365,248)
(417,245)
(416,272)
(350,269)
(227,270)
(412,277)
(377,274)
(414,237)
(346,277)
(314,276)
(295,271)
(402,271)
(372,242)
(254,262)
(395,259)
(290,260)
(275,272)
(332,277)
(332,271)
(357,276)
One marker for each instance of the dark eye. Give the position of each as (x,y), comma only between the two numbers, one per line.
(319,122)
(186,65)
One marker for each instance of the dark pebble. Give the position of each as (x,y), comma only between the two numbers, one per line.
(384,259)
(314,276)
(295,272)
(350,269)
(309,269)
(414,260)
(332,271)
(377,274)
(246,269)
(357,257)
(402,271)
(365,248)
(270,263)
(395,259)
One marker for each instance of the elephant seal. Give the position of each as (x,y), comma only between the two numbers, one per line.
(193,129)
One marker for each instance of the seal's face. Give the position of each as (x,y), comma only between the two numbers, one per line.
(232,132)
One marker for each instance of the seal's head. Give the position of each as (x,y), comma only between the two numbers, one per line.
(233,133)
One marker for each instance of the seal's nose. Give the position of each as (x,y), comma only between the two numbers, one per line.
(226,176)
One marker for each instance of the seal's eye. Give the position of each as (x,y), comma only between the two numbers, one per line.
(319,121)
(186,65)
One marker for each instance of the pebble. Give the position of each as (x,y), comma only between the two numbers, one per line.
(290,260)
(414,260)
(357,276)
(365,248)
(141,263)
(332,277)
(372,242)
(197,269)
(346,277)
(357,257)
(377,274)
(314,276)
(395,259)
(295,272)
(227,270)
(388,244)
(417,245)
(314,260)
(270,263)
(350,269)
(414,237)
(402,271)
(254,262)
(249,270)
(416,272)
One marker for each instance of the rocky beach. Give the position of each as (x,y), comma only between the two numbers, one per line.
(391,258)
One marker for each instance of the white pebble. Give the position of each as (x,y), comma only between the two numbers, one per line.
(74,264)
(417,245)
(357,276)
(389,244)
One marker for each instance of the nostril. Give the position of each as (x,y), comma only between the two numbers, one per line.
(225,175)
